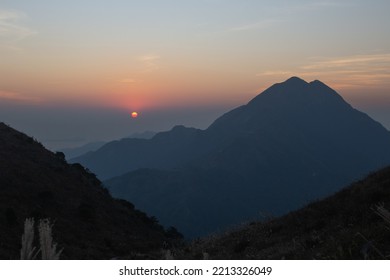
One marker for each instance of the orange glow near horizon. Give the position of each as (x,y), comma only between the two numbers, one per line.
(137,60)
(156,95)
(158,83)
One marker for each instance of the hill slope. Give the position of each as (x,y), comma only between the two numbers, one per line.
(88,222)
(343,226)
(293,143)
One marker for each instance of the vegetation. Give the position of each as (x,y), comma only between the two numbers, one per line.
(90,224)
(28,252)
(48,248)
(36,184)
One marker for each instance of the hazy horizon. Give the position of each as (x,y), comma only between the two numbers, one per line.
(60,126)
(72,72)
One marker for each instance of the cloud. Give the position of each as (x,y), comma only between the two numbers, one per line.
(275,73)
(281,14)
(149,57)
(257,25)
(356,62)
(354,71)
(15,96)
(150,62)
(12,30)
(315,6)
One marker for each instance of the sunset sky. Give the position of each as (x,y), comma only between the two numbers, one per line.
(72,71)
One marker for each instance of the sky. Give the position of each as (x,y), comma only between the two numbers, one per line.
(72,71)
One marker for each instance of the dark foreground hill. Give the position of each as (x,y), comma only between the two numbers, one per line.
(88,222)
(343,226)
(293,143)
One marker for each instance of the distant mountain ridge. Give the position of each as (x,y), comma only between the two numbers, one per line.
(293,143)
(164,150)
(71,153)
(143,135)
(78,151)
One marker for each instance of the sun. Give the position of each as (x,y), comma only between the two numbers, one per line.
(134,115)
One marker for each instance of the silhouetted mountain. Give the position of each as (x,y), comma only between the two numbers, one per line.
(293,143)
(164,150)
(71,153)
(88,222)
(78,151)
(343,226)
(143,135)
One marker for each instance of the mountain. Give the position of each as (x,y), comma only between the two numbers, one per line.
(164,150)
(293,143)
(88,222)
(78,151)
(143,135)
(93,146)
(352,224)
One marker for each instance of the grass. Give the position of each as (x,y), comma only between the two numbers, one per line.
(48,249)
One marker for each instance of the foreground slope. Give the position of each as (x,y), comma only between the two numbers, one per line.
(343,226)
(88,222)
(293,143)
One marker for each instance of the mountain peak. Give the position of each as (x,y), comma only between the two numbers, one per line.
(298,90)
(295,80)
(285,101)
(291,85)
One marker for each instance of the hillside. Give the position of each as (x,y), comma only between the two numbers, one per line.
(295,142)
(343,226)
(88,222)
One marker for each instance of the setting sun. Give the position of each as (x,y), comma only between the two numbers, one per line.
(134,115)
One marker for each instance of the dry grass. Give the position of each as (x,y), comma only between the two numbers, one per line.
(382,212)
(48,248)
(28,252)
